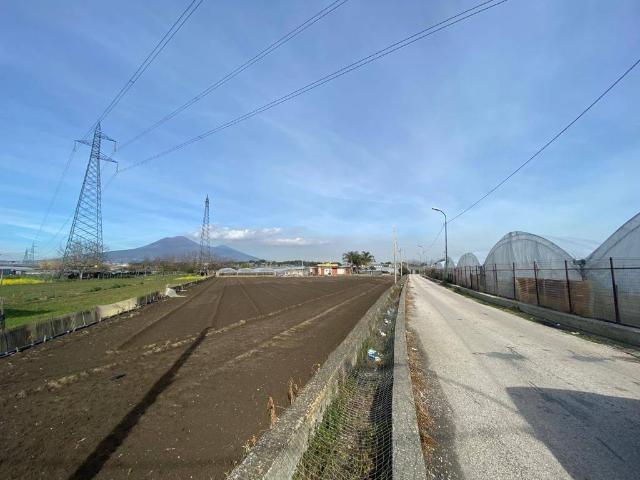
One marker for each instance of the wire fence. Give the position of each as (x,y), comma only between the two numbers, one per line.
(606,289)
(354,439)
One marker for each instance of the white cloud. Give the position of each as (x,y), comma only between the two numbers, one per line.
(226,233)
(295,241)
(240,234)
(262,236)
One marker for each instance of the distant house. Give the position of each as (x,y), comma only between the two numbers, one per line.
(329,269)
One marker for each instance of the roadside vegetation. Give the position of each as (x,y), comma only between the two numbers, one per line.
(27,300)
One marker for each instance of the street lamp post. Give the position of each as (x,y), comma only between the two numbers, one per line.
(446,253)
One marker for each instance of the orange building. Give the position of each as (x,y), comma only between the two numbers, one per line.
(329,269)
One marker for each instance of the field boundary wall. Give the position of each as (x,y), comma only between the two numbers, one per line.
(25,336)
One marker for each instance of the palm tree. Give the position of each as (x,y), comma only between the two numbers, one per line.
(353,258)
(366,258)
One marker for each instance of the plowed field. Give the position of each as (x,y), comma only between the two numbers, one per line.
(177,389)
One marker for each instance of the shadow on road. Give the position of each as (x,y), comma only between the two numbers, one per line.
(593,436)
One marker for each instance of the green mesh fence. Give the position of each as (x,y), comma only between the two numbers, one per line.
(353,441)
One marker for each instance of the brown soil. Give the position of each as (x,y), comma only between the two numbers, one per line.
(178,389)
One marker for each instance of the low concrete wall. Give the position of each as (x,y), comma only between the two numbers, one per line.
(610,330)
(113,309)
(278,451)
(26,336)
(408,460)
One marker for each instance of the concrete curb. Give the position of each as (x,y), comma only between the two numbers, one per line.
(408,460)
(32,334)
(278,451)
(620,333)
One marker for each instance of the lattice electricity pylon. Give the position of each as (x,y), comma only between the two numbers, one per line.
(84,248)
(205,238)
(30,255)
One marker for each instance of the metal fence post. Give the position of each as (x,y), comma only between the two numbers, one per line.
(535,276)
(566,274)
(615,291)
(495,277)
(513,266)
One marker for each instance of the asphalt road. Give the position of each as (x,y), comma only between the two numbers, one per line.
(524,400)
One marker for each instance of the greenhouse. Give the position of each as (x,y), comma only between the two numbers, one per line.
(532,269)
(223,272)
(450,264)
(468,265)
(468,260)
(617,259)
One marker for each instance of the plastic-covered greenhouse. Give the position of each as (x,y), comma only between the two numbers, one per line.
(247,272)
(226,272)
(468,260)
(533,269)
(619,254)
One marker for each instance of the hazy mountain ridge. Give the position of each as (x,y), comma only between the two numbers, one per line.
(178,248)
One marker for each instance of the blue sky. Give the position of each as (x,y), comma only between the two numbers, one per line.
(437,123)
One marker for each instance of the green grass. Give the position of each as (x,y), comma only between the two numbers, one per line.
(30,302)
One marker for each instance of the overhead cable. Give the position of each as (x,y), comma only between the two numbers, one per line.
(449,22)
(553,139)
(241,68)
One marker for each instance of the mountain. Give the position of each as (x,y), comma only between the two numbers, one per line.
(174,248)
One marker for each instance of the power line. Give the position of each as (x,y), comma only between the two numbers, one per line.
(56,192)
(435,239)
(271,48)
(482,7)
(175,28)
(177,25)
(56,235)
(553,139)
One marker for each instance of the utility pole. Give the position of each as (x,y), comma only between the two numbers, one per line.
(395,266)
(205,239)
(422,257)
(446,253)
(84,246)
(401,271)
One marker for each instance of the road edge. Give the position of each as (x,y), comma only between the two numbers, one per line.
(408,459)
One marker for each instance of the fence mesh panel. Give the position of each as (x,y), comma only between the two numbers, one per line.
(608,289)
(353,441)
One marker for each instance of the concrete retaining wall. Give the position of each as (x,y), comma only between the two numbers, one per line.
(610,330)
(408,460)
(26,336)
(278,451)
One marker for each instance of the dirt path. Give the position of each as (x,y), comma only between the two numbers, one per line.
(179,388)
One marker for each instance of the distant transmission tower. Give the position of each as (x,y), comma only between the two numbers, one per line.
(84,248)
(205,238)
(30,255)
